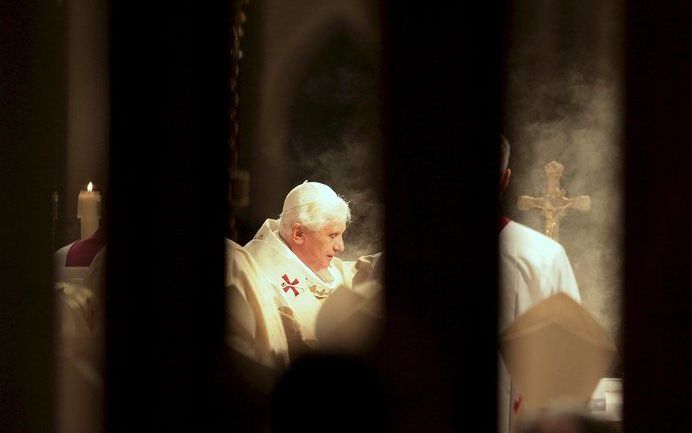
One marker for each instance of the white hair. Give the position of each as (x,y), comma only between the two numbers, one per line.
(315,215)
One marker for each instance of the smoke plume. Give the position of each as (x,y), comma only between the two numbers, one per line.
(351,168)
(574,118)
(335,134)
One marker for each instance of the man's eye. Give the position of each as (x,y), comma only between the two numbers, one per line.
(333,235)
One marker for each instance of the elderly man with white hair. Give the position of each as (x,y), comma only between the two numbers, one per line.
(300,248)
(290,268)
(298,252)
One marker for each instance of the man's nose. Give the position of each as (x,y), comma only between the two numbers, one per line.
(339,244)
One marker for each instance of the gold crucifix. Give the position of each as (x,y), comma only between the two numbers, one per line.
(554,203)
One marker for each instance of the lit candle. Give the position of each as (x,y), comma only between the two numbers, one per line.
(89,210)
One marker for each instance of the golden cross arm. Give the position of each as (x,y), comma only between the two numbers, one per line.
(555,202)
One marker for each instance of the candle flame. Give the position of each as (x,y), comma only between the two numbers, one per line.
(90,187)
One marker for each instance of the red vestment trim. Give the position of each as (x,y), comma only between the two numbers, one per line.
(503,222)
(82,252)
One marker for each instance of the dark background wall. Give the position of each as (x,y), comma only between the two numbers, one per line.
(657,302)
(32,131)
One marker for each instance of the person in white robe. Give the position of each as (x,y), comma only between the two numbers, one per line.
(71,263)
(298,252)
(532,267)
(80,347)
(291,266)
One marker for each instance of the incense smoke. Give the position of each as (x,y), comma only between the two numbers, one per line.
(351,168)
(335,130)
(575,119)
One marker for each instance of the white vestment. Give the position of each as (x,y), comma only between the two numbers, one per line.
(296,287)
(532,267)
(254,325)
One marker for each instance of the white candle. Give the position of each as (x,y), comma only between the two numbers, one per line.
(89,210)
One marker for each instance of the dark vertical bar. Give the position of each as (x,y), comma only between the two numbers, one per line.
(443,120)
(31,129)
(165,293)
(657,307)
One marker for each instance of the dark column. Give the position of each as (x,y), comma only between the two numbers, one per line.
(32,92)
(658,129)
(165,293)
(443,74)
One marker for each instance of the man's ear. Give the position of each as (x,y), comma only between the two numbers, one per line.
(297,233)
(504,182)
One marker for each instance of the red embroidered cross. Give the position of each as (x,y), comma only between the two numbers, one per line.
(289,285)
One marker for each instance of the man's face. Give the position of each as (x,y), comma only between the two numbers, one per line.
(320,246)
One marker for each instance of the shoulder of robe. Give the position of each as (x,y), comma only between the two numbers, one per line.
(240,262)
(231,244)
(523,239)
(60,255)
